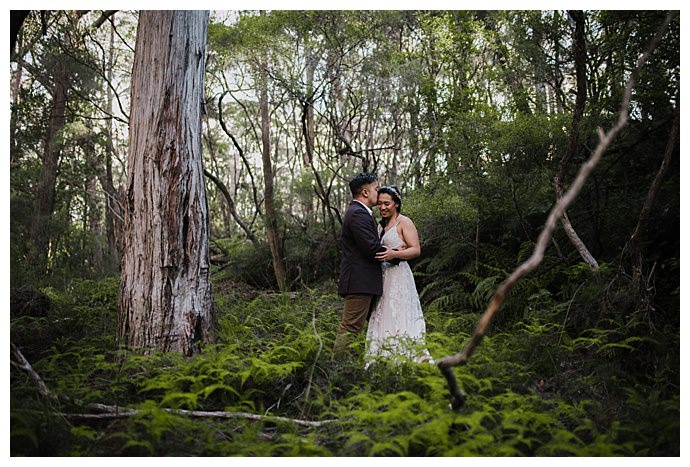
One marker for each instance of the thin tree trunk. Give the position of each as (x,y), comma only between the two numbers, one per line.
(165,295)
(636,239)
(45,193)
(308,133)
(92,204)
(271,217)
(580,100)
(113,206)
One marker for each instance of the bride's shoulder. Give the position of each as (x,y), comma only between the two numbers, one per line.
(406,221)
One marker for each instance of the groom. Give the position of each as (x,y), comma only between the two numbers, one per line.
(361,281)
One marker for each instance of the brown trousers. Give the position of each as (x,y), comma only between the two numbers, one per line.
(356,311)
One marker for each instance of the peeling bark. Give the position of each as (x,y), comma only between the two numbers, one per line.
(165,295)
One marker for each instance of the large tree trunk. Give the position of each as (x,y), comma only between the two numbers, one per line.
(165,295)
(271,217)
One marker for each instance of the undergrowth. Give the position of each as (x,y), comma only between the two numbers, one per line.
(536,386)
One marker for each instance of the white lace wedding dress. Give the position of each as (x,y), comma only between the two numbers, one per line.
(396,327)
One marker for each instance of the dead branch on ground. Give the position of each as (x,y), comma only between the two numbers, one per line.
(103,411)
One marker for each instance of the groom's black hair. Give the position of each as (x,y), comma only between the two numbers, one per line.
(359,180)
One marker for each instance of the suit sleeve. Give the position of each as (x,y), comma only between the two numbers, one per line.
(364,233)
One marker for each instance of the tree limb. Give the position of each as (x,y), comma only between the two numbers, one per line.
(257,203)
(231,205)
(605,139)
(101,19)
(23,364)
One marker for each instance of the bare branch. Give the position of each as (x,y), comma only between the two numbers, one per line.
(24,365)
(101,19)
(635,242)
(257,203)
(231,205)
(111,412)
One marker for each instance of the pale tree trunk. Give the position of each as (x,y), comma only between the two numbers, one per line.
(165,294)
(271,217)
(113,205)
(92,215)
(580,58)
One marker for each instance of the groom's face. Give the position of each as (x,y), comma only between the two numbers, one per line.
(370,192)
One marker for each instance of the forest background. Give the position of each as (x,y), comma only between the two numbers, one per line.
(482,118)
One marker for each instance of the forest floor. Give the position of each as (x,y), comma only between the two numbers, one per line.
(271,386)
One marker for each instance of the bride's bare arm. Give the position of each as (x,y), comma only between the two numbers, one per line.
(410,248)
(410,237)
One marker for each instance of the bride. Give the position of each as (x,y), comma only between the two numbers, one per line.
(396,326)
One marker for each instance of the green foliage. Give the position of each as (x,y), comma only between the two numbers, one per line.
(248,264)
(534,388)
(574,364)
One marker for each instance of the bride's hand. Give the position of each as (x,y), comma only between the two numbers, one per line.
(384,255)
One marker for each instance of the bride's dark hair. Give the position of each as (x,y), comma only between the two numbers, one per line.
(394,191)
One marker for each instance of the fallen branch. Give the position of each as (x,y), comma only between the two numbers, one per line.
(110,412)
(23,364)
(446,364)
(113,411)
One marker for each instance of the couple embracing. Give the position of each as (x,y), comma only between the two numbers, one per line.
(375,279)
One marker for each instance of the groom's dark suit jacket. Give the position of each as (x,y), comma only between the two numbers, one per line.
(360,273)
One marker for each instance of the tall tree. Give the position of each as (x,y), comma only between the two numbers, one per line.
(269,201)
(165,295)
(45,192)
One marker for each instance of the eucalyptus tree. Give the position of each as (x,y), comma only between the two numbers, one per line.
(165,292)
